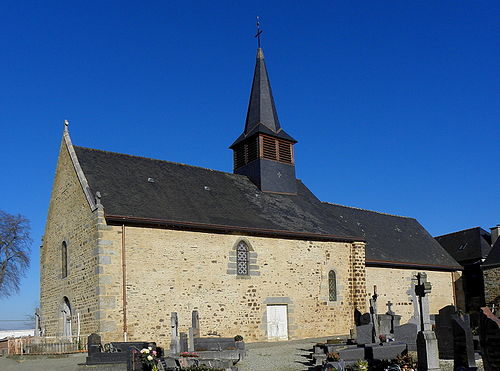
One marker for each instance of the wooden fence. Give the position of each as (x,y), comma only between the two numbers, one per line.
(47,345)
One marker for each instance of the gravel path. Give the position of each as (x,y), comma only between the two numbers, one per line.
(281,356)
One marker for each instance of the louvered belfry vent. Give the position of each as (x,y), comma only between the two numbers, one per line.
(285,152)
(246,152)
(262,146)
(269,148)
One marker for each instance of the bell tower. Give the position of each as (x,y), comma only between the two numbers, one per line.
(264,151)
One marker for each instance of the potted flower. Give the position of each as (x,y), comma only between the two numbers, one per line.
(149,358)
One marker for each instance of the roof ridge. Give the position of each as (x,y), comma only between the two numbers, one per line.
(462,230)
(156,159)
(372,211)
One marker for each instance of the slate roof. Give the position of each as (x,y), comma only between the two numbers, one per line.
(142,190)
(493,259)
(391,238)
(467,246)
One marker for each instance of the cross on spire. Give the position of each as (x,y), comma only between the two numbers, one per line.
(259,31)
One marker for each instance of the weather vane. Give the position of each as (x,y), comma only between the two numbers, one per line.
(259,31)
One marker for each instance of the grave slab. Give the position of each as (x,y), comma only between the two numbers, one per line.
(384,351)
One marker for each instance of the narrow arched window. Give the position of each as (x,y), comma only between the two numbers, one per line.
(332,286)
(64,260)
(242,259)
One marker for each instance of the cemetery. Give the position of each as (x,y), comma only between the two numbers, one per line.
(378,342)
(187,351)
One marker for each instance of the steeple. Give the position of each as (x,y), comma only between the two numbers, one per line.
(261,109)
(264,151)
(262,115)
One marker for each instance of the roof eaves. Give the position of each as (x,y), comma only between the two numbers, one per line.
(231,229)
(387,263)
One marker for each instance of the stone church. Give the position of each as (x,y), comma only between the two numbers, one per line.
(128,240)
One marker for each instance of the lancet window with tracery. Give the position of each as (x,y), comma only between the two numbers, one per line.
(332,286)
(242,259)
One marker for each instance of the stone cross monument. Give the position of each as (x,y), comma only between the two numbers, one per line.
(373,312)
(427,346)
(175,341)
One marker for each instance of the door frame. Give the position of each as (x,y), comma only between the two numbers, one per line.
(285,306)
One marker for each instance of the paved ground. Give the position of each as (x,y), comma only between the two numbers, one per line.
(283,356)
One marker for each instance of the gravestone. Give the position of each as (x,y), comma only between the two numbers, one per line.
(389,308)
(444,331)
(195,323)
(427,347)
(117,352)
(384,350)
(365,319)
(364,332)
(357,317)
(407,333)
(489,339)
(463,345)
(93,344)
(373,312)
(175,344)
(183,341)
(191,340)
(387,323)
(214,344)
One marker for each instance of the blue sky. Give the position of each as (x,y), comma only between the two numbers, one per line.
(395,104)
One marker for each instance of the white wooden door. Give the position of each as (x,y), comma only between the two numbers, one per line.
(277,322)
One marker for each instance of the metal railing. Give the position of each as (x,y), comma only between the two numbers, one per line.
(47,345)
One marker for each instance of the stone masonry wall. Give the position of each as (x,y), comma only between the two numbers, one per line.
(492,285)
(179,271)
(396,285)
(69,219)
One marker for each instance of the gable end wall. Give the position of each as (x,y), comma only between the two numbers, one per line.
(70,219)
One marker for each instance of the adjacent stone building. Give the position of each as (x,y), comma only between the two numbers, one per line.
(491,270)
(129,240)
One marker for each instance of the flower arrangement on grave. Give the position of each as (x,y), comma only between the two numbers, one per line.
(382,338)
(189,354)
(149,358)
(406,362)
(360,365)
(332,357)
(238,338)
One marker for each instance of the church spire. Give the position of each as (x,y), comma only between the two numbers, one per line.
(264,151)
(261,108)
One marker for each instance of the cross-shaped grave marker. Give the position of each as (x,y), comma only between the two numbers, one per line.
(389,310)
